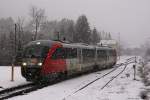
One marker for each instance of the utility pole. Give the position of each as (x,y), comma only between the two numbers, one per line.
(134,68)
(13,60)
(119,45)
(15,38)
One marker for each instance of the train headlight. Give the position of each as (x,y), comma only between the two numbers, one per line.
(40,64)
(24,64)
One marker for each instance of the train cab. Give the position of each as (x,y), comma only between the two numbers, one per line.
(33,57)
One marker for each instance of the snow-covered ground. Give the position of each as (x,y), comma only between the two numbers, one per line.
(121,88)
(5,77)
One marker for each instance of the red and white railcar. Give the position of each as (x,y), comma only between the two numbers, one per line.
(48,60)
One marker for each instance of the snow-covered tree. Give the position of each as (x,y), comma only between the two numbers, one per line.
(82,30)
(109,36)
(95,36)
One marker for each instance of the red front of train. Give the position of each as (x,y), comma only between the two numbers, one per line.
(37,62)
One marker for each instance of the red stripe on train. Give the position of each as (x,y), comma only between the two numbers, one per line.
(50,65)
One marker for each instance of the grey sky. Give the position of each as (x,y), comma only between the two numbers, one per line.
(129,17)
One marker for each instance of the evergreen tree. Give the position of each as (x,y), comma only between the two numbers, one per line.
(109,36)
(70,31)
(95,36)
(82,30)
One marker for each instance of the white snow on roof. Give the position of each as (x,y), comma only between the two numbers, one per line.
(108,42)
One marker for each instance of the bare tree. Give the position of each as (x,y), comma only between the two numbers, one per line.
(20,23)
(38,17)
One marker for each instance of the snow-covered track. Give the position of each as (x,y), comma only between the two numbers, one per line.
(128,61)
(13,91)
(125,66)
(115,68)
(119,68)
(24,89)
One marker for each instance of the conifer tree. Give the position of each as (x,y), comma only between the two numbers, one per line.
(95,36)
(82,30)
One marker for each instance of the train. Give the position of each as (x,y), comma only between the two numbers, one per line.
(48,60)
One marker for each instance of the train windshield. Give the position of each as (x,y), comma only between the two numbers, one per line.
(36,51)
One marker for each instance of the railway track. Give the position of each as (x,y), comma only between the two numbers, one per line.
(14,91)
(127,62)
(118,65)
(22,90)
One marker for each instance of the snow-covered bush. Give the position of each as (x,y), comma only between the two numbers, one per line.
(143,95)
(144,71)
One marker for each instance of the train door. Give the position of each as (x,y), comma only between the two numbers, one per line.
(71,60)
(96,56)
(79,55)
(107,58)
(101,58)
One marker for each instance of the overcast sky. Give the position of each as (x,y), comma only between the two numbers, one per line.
(130,18)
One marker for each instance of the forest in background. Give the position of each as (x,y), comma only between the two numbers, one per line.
(14,34)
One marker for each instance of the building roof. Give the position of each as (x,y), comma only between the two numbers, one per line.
(108,42)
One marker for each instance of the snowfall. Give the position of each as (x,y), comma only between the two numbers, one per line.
(124,87)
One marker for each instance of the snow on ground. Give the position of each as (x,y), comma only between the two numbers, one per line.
(121,88)
(5,77)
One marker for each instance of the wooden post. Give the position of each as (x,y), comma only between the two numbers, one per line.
(15,38)
(12,72)
(13,60)
(134,68)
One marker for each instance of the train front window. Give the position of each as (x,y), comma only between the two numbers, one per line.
(36,51)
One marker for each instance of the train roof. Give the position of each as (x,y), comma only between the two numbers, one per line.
(41,42)
(49,43)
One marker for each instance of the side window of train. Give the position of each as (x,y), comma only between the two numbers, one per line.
(91,53)
(74,52)
(101,53)
(88,53)
(59,54)
(98,53)
(67,52)
(70,53)
(84,53)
